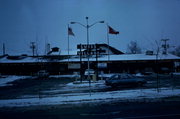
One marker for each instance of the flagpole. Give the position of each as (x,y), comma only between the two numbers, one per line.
(68,43)
(108,41)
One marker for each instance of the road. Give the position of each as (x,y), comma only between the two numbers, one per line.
(114,110)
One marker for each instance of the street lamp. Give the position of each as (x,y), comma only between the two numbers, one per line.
(87,26)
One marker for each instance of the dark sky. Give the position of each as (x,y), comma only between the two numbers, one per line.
(45,21)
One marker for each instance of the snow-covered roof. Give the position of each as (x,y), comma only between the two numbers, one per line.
(129,57)
(122,57)
(54,53)
(24,60)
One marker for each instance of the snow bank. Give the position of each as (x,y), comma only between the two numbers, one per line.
(176,73)
(86,83)
(63,76)
(72,98)
(139,75)
(7,79)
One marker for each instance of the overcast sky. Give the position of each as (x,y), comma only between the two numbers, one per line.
(45,21)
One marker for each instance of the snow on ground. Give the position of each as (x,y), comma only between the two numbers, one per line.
(74,98)
(176,73)
(5,80)
(77,76)
(64,76)
(139,75)
(86,83)
(83,97)
(76,87)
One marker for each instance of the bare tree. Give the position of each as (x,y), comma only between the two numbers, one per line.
(133,48)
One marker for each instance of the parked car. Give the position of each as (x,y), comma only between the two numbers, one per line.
(124,80)
(42,74)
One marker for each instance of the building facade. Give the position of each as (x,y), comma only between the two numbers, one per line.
(113,61)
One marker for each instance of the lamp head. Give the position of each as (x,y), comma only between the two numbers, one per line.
(72,22)
(101,21)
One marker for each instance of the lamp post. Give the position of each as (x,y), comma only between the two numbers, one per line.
(87,26)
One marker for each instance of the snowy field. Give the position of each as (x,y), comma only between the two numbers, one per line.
(6,80)
(126,95)
(88,96)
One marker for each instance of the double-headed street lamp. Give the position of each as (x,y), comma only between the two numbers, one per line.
(87,26)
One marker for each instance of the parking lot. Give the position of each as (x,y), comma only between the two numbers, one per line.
(56,85)
(60,96)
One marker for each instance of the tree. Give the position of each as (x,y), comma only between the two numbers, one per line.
(133,48)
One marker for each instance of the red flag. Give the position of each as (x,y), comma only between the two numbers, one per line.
(70,32)
(112,31)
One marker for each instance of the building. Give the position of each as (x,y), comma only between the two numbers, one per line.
(113,61)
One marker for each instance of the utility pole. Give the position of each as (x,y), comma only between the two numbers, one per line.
(48,47)
(97,52)
(81,70)
(4,51)
(33,47)
(165,46)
